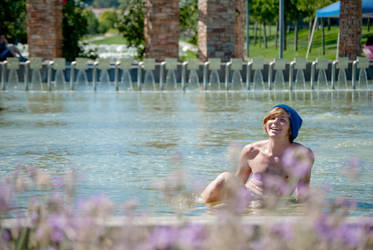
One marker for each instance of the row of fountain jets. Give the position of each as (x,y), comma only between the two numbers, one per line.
(192,75)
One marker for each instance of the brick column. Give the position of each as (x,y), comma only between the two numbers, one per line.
(44,28)
(221,29)
(161,28)
(350,29)
(239,29)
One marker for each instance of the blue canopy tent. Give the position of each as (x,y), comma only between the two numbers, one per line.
(333,10)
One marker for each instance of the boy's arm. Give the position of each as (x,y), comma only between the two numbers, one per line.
(244,170)
(301,191)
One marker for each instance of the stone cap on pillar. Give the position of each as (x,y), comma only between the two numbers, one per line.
(214,63)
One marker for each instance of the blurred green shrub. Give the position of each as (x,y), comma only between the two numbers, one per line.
(189,20)
(13,20)
(92,21)
(75,26)
(131,24)
(107,21)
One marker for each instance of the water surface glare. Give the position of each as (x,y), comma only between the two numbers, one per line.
(121,143)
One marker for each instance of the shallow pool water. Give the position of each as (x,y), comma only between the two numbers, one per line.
(122,144)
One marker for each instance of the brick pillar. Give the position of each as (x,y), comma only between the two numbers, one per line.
(221,29)
(44,28)
(161,28)
(239,31)
(350,29)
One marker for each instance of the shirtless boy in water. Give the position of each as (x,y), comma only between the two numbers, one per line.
(266,158)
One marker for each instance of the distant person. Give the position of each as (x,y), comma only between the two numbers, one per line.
(8,51)
(278,158)
(368,48)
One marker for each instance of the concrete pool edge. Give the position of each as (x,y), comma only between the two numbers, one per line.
(172,221)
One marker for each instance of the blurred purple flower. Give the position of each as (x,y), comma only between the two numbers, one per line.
(323,230)
(258,245)
(368,228)
(354,162)
(5,237)
(49,248)
(345,203)
(162,237)
(34,218)
(5,197)
(98,205)
(166,237)
(349,234)
(240,200)
(82,224)
(33,207)
(288,158)
(193,236)
(283,230)
(296,162)
(276,185)
(302,189)
(352,168)
(33,172)
(58,182)
(55,201)
(58,224)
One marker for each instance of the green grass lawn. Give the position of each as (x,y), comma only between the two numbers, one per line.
(258,50)
(331,38)
(102,39)
(117,39)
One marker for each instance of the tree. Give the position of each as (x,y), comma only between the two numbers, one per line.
(107,21)
(309,8)
(13,20)
(75,26)
(189,19)
(265,12)
(294,14)
(92,21)
(131,24)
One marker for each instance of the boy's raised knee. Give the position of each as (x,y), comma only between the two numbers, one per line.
(224,175)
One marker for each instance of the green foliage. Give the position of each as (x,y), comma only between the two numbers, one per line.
(309,7)
(13,20)
(188,55)
(264,11)
(189,19)
(92,21)
(75,26)
(292,13)
(107,21)
(131,24)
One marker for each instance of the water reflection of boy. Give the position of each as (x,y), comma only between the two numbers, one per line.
(275,159)
(7,51)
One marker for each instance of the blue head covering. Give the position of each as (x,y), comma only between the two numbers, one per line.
(295,120)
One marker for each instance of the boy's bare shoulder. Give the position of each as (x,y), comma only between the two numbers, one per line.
(301,148)
(259,144)
(255,145)
(296,145)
